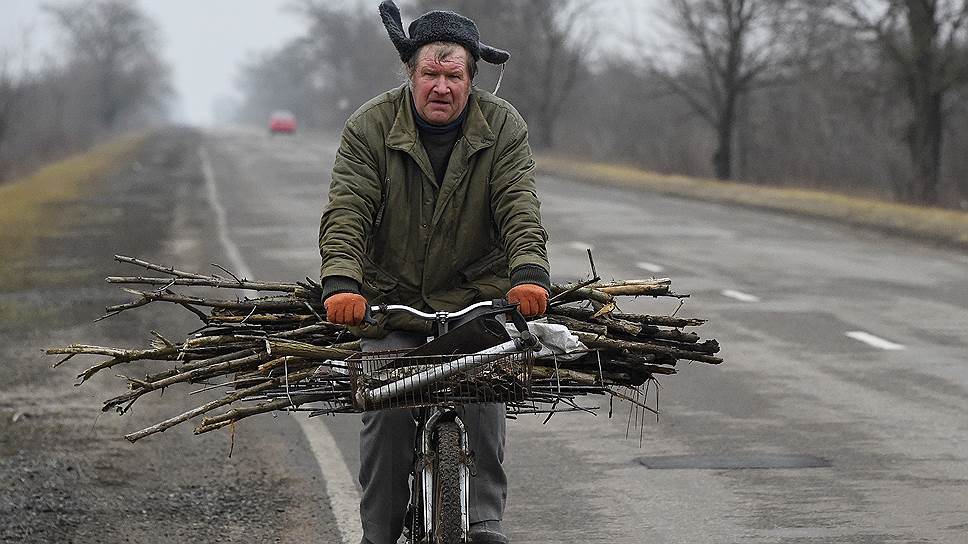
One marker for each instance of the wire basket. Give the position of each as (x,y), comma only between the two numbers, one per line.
(392,379)
(382,380)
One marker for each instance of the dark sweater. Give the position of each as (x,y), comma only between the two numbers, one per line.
(438,141)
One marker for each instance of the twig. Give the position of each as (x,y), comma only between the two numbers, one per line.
(229,272)
(228,399)
(207,281)
(159,268)
(572,289)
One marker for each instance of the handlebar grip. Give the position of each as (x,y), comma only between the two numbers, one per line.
(517,318)
(368,315)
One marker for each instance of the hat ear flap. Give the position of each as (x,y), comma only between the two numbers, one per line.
(390,14)
(494,55)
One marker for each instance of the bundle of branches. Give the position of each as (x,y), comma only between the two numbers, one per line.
(278,353)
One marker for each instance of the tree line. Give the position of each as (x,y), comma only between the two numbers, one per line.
(866,97)
(107,77)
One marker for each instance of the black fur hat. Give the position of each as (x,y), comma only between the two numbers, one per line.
(437,26)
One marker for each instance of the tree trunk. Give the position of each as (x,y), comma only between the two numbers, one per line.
(925,136)
(723,158)
(545,134)
(925,133)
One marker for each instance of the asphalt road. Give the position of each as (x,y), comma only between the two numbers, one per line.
(839,416)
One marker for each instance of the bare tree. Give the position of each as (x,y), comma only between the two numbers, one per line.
(115,45)
(926,42)
(11,92)
(353,56)
(728,48)
(343,59)
(281,79)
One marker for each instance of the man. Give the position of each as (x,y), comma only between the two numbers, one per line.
(432,204)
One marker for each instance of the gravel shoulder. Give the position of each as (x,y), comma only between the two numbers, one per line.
(66,473)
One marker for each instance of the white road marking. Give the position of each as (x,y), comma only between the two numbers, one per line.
(651,267)
(739,295)
(344,498)
(875,341)
(238,266)
(580,246)
(340,487)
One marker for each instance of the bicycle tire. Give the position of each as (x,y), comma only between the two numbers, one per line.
(448,526)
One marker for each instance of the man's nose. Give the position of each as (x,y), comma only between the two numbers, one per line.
(440,86)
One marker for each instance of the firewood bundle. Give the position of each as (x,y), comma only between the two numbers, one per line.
(277,352)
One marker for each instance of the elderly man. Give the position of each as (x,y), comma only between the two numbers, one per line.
(432,204)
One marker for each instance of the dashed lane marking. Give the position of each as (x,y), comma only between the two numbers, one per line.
(875,341)
(651,267)
(344,499)
(580,246)
(739,295)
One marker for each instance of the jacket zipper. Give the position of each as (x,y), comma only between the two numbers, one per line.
(383,206)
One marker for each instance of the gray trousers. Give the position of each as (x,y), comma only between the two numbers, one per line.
(387,458)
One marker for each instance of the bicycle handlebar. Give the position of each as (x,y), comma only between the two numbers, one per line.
(437,316)
(442,318)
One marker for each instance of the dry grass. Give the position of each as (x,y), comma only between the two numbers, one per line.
(946,226)
(34,207)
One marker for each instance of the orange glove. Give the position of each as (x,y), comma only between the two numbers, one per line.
(345,308)
(533,299)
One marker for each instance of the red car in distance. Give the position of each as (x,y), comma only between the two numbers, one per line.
(282,122)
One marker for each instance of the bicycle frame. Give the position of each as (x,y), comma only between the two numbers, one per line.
(432,416)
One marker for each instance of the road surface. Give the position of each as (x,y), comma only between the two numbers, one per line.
(839,415)
(845,367)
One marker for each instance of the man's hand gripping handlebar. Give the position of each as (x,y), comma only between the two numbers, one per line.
(351,309)
(345,308)
(443,319)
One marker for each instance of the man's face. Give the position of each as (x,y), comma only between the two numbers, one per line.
(441,88)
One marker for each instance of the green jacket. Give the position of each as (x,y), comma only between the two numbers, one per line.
(406,241)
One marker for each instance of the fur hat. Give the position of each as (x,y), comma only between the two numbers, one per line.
(437,26)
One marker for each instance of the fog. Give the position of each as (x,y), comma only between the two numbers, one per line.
(203,42)
(206,42)
(792,92)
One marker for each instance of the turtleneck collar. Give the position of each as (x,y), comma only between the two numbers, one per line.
(428,128)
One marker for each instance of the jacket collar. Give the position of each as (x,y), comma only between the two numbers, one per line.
(403,134)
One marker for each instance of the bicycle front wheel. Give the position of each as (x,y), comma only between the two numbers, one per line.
(448,523)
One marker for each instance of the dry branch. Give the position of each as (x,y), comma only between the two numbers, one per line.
(278,351)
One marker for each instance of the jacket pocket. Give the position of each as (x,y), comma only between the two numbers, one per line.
(495,262)
(376,278)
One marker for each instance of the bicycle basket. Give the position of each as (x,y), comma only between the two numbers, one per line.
(382,380)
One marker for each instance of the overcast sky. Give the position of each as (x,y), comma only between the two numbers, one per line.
(205,41)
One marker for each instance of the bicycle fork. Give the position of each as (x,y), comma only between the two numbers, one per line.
(425,469)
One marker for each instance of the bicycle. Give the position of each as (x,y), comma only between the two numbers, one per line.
(440,376)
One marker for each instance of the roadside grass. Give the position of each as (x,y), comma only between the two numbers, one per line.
(37,207)
(949,227)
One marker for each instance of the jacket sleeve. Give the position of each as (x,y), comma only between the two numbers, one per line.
(355,194)
(514,202)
